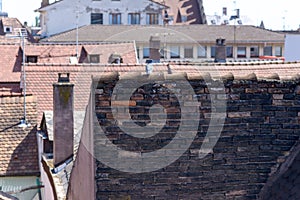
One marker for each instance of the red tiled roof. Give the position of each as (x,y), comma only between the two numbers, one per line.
(11,55)
(51,53)
(10,63)
(125,50)
(18,146)
(41,77)
(61,53)
(14,23)
(193,9)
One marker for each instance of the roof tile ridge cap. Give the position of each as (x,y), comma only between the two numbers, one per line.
(248,77)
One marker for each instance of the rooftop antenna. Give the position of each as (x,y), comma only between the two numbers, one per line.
(284,20)
(77,31)
(22,34)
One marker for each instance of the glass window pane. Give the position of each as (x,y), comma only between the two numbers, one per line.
(96,18)
(133,18)
(146,52)
(278,51)
(175,52)
(188,52)
(152,18)
(201,52)
(241,52)
(229,51)
(213,51)
(268,51)
(115,18)
(254,52)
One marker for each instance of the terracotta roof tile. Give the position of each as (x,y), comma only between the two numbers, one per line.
(14,23)
(11,55)
(40,78)
(193,9)
(10,63)
(18,147)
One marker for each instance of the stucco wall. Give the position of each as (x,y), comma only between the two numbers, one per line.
(62,16)
(81,184)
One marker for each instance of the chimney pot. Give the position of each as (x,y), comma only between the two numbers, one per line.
(63,78)
(220,50)
(44,3)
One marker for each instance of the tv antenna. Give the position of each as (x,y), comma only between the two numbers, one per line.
(22,34)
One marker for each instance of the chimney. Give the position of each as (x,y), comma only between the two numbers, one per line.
(44,3)
(154,48)
(220,50)
(224,11)
(63,122)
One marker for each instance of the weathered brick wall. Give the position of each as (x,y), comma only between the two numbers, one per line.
(261,127)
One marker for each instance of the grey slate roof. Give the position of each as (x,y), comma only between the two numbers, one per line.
(177,33)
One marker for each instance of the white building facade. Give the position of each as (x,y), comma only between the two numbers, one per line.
(65,15)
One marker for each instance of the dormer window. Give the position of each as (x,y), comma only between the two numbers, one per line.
(7,29)
(95,58)
(31,59)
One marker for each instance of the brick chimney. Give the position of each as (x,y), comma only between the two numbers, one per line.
(63,121)
(220,50)
(154,48)
(44,3)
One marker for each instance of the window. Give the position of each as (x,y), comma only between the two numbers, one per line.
(268,51)
(188,52)
(96,18)
(7,29)
(115,18)
(254,52)
(138,52)
(31,59)
(152,18)
(162,52)
(241,52)
(229,52)
(278,51)
(201,52)
(213,51)
(95,58)
(146,52)
(175,51)
(134,18)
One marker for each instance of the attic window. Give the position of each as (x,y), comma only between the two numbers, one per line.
(31,59)
(7,29)
(95,58)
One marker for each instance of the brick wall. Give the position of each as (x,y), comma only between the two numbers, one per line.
(261,127)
